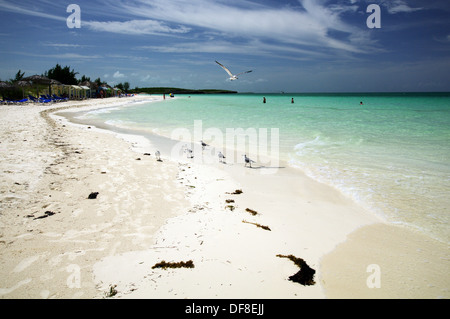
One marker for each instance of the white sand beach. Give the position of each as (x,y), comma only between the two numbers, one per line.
(55,242)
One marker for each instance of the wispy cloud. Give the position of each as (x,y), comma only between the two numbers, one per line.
(118,75)
(149,27)
(398,6)
(252,47)
(310,23)
(65,45)
(72,56)
(29,8)
(305,26)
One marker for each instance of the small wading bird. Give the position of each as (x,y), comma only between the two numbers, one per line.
(232,76)
(248,161)
(189,152)
(221,157)
(203,144)
(158,156)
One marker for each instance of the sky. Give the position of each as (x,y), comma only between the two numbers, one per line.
(290,45)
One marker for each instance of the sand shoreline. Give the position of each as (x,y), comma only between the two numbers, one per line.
(149,211)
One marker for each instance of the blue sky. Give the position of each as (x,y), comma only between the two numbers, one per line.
(291,45)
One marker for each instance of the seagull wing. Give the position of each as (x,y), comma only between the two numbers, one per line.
(244,72)
(228,71)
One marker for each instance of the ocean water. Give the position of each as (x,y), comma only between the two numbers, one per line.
(391,153)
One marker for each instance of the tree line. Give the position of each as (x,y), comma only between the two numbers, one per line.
(67,76)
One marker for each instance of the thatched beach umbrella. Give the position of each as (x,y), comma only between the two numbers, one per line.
(3,86)
(40,79)
(23,84)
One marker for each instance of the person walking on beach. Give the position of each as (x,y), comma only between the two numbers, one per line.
(292,100)
(264,99)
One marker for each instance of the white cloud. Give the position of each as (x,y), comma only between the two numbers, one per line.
(118,75)
(253,47)
(309,24)
(28,9)
(397,6)
(135,27)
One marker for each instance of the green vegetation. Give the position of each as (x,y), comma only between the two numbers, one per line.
(62,74)
(66,75)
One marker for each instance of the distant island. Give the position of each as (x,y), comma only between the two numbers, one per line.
(168,90)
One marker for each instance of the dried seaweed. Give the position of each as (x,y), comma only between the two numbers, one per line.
(46,214)
(164,265)
(251,211)
(257,225)
(230,207)
(236,192)
(112,291)
(305,276)
(228,201)
(93,195)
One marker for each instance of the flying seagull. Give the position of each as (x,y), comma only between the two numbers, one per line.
(248,161)
(232,76)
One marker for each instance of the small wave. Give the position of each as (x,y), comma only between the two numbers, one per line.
(303,145)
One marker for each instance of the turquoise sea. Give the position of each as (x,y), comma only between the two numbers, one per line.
(391,153)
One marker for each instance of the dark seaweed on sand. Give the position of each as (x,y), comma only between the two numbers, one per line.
(305,276)
(181,264)
(46,214)
(93,195)
(236,192)
(257,225)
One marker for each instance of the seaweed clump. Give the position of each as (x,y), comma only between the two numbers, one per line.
(93,195)
(236,192)
(305,276)
(112,291)
(164,265)
(251,211)
(46,214)
(257,225)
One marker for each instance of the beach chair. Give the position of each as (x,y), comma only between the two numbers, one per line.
(20,102)
(40,100)
(33,99)
(58,98)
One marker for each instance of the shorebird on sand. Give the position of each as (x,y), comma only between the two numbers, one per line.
(248,160)
(158,156)
(221,157)
(203,144)
(189,152)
